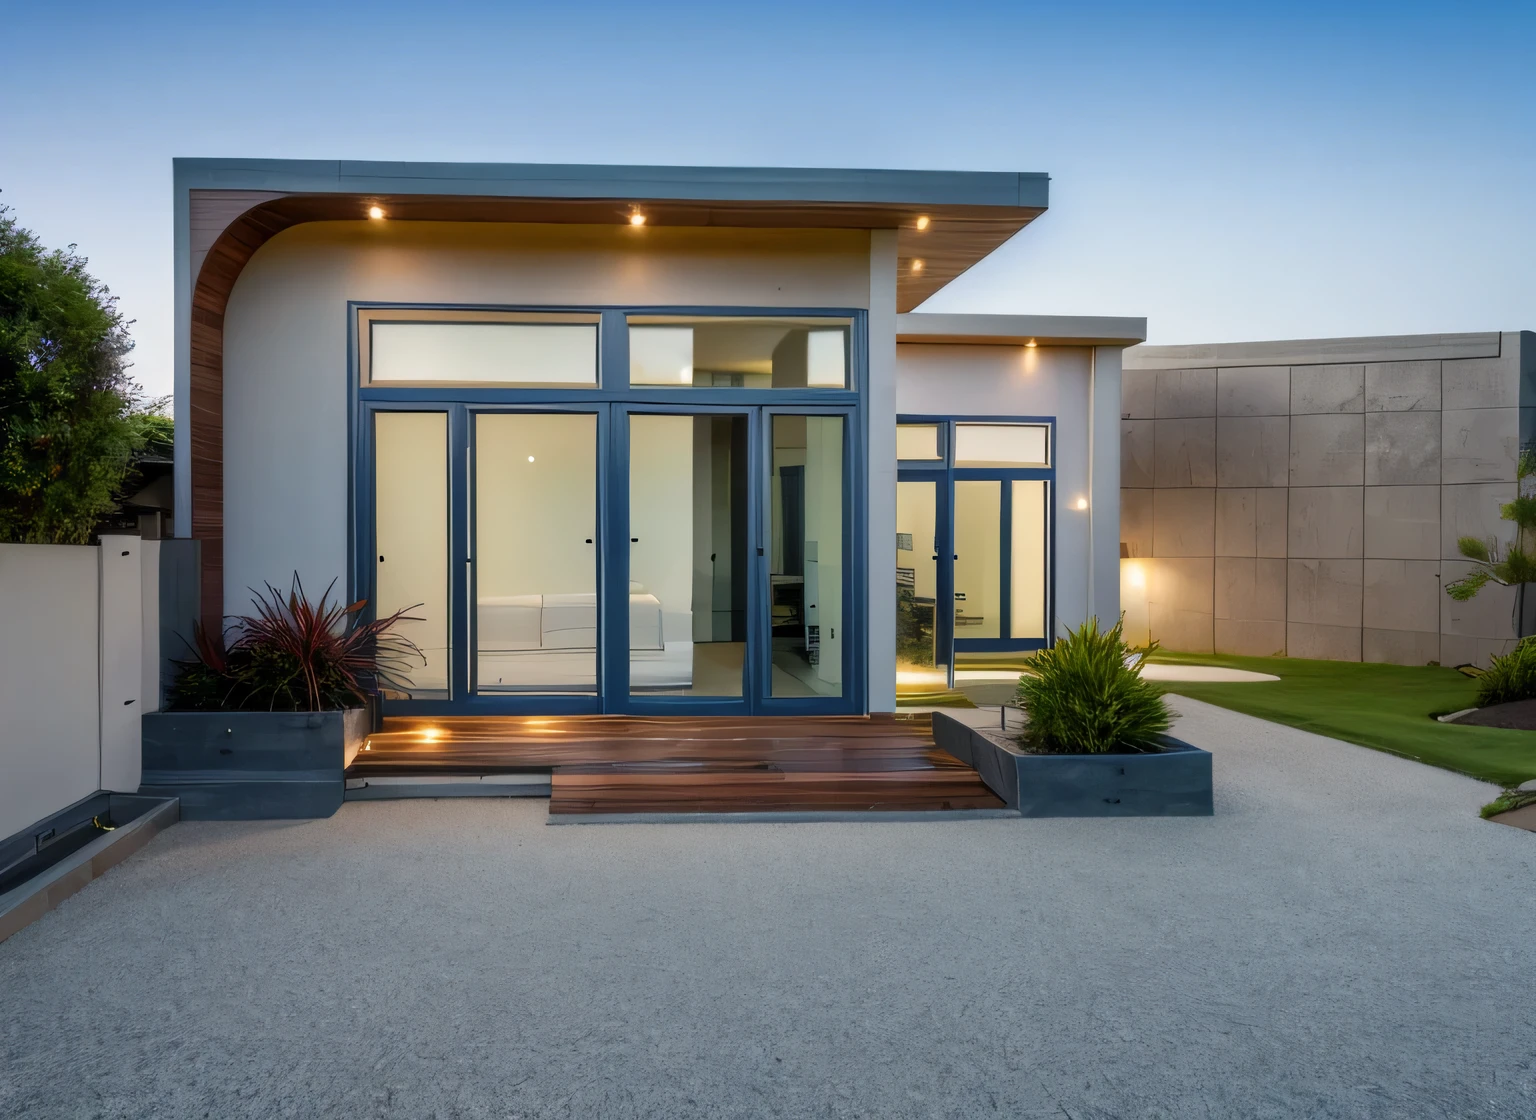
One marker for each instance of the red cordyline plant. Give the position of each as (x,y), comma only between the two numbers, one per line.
(296,655)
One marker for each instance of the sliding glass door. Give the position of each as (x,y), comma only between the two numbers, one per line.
(736,553)
(618,558)
(973,544)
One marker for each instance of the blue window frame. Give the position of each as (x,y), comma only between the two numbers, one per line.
(613,401)
(945,473)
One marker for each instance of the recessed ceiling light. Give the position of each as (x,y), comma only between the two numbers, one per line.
(530,458)
(637,219)
(922,221)
(917,266)
(376,212)
(1031,344)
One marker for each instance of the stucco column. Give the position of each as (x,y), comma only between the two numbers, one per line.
(1104,486)
(880,440)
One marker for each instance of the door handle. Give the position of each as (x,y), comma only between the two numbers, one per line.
(589,540)
(759,550)
(634,540)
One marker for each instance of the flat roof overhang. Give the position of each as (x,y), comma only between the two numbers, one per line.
(1021,330)
(970,213)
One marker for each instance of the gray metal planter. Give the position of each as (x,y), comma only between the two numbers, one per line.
(1175,782)
(251,765)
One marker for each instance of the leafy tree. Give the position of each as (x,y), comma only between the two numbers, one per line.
(70,417)
(1514,565)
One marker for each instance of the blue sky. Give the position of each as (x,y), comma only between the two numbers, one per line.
(1229,171)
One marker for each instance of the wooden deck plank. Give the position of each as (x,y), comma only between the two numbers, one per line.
(627,764)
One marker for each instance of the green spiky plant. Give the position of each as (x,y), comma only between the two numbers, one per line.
(1515,564)
(1509,677)
(1085,695)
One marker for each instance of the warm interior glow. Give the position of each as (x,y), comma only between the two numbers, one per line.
(1082,503)
(376,212)
(922,222)
(637,219)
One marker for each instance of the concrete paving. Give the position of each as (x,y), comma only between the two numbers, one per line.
(1344,938)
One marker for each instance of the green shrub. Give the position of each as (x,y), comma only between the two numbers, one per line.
(1510,677)
(1082,697)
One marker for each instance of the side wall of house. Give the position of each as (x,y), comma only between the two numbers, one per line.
(1312,508)
(980,380)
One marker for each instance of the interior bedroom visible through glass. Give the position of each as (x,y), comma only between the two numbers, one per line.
(805,578)
(535,554)
(687,554)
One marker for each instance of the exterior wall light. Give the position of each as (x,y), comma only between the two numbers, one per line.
(376,213)
(1082,503)
(922,221)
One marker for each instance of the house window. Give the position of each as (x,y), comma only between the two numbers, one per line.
(918,443)
(401,347)
(670,351)
(1001,445)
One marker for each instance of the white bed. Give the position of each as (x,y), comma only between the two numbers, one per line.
(537,642)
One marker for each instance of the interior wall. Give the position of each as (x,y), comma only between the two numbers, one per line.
(535,504)
(973,380)
(411,525)
(661,514)
(285,340)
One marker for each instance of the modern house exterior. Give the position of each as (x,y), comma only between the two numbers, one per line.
(640,439)
(1305,498)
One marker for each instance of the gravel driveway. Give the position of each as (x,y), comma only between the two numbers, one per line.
(1344,938)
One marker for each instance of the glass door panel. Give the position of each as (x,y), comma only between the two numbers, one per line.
(410,501)
(922,665)
(978,558)
(688,576)
(535,552)
(1030,542)
(805,556)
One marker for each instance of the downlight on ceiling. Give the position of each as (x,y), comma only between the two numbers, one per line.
(376,213)
(922,221)
(917,266)
(636,218)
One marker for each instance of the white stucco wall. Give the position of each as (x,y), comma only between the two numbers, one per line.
(285,341)
(981,380)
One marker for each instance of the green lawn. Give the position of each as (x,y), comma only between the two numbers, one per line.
(1387,707)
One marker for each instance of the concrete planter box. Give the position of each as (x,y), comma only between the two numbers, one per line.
(1175,782)
(251,765)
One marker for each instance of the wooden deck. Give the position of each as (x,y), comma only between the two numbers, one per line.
(628,764)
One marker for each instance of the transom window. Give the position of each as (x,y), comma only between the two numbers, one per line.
(404,347)
(673,351)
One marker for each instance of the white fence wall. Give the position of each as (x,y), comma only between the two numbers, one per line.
(79,664)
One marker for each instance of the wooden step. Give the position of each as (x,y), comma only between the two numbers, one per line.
(761,790)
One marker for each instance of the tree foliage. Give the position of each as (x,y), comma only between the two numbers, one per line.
(70,417)
(1513,564)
